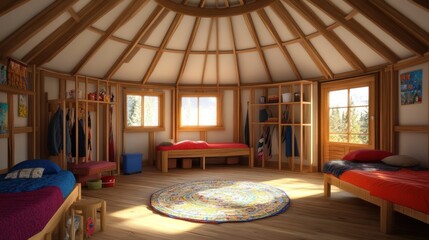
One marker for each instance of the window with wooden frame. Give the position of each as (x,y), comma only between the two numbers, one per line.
(200,112)
(144,111)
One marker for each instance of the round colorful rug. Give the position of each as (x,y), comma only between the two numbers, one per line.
(218,201)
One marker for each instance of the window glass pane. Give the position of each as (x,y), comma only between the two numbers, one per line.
(134,110)
(151,106)
(207,113)
(338,121)
(338,138)
(359,139)
(189,111)
(359,96)
(338,98)
(359,120)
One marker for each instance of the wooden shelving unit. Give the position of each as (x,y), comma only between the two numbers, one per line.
(294,114)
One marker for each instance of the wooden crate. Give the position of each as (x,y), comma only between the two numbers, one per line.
(232,160)
(172,163)
(187,163)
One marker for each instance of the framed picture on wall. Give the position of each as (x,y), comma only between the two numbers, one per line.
(411,87)
(3,118)
(22,106)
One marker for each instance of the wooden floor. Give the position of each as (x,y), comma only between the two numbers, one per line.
(310,216)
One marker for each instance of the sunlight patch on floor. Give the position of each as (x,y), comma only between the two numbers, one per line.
(296,188)
(142,217)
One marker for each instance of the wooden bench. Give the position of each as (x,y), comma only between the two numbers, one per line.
(91,170)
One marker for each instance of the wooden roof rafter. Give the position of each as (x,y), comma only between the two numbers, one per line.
(207,49)
(388,24)
(150,20)
(217,50)
(405,22)
(123,18)
(9,5)
(33,26)
(358,30)
(266,20)
(252,30)
(234,51)
(342,48)
(288,20)
(188,49)
(73,14)
(59,39)
(177,19)
(424,4)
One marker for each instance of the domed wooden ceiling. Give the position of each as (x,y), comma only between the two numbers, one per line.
(213,42)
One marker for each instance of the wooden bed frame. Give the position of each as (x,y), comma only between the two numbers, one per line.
(59,218)
(163,156)
(387,208)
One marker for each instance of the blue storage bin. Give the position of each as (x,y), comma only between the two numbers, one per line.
(132,163)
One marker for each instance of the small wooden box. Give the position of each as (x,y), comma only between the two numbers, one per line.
(232,160)
(172,163)
(187,163)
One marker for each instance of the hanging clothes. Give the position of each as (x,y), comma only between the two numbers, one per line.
(261,148)
(287,136)
(89,138)
(55,133)
(267,142)
(81,139)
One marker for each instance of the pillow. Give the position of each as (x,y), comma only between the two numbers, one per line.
(49,166)
(401,161)
(25,173)
(367,155)
(166,144)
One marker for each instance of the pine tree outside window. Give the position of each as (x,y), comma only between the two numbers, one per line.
(144,111)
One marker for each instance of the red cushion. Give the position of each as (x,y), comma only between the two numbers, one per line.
(367,155)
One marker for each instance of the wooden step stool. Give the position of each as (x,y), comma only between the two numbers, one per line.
(88,208)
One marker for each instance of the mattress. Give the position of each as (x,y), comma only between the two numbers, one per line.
(407,187)
(189,145)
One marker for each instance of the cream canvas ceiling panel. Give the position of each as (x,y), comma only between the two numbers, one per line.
(200,42)
(210,75)
(251,68)
(332,57)
(213,42)
(305,65)
(167,69)
(305,26)
(79,5)
(104,22)
(227,69)
(194,69)
(394,45)
(155,39)
(225,38)
(279,68)
(136,68)
(281,28)
(323,16)
(13,20)
(129,29)
(242,36)
(360,49)
(342,5)
(103,59)
(264,36)
(412,11)
(40,36)
(181,36)
(76,50)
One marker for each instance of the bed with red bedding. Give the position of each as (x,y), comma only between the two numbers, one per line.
(201,149)
(403,190)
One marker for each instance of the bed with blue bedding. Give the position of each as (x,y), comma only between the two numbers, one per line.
(31,208)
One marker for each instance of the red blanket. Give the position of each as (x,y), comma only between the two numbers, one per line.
(404,187)
(24,214)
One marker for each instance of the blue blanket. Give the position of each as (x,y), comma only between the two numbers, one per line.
(338,167)
(64,180)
